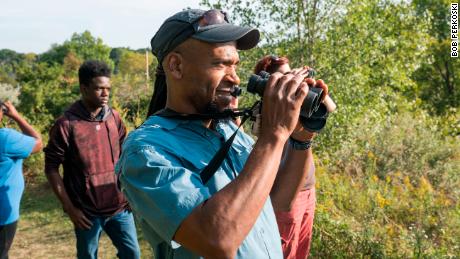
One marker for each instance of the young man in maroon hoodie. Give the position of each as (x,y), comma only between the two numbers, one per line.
(87,140)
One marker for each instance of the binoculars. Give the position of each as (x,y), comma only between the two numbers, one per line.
(3,107)
(315,108)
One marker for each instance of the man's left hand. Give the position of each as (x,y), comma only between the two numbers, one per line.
(300,133)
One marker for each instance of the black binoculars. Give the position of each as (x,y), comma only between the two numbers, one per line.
(313,113)
(3,107)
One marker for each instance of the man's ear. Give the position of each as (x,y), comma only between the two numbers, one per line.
(174,65)
(83,89)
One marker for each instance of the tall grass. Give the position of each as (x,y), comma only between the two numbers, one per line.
(390,191)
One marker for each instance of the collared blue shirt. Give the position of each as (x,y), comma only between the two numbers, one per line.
(160,167)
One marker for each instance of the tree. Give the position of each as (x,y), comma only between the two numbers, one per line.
(115,56)
(296,26)
(132,87)
(132,63)
(9,92)
(9,59)
(84,46)
(71,65)
(8,56)
(437,76)
(45,93)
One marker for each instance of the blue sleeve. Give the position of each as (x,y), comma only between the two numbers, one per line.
(160,190)
(17,145)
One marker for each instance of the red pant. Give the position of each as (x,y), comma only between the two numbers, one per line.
(296,226)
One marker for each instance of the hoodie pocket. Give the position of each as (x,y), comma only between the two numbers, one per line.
(102,190)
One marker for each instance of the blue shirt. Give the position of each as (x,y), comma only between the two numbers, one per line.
(14,147)
(160,167)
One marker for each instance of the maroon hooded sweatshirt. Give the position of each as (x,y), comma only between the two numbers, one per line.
(88,149)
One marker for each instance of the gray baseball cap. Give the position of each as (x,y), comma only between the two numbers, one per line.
(210,26)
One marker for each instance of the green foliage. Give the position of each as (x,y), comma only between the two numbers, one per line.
(133,87)
(9,61)
(115,56)
(437,76)
(295,26)
(9,92)
(132,63)
(44,93)
(8,56)
(389,38)
(390,191)
(84,46)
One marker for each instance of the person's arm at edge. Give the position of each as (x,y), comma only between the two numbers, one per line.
(25,127)
(291,177)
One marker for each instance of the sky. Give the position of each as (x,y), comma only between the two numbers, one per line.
(33,25)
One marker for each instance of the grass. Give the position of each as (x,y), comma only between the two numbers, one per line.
(45,231)
(390,190)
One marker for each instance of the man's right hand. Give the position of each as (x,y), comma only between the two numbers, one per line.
(78,218)
(11,110)
(283,98)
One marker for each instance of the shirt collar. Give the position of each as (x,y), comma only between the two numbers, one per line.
(166,123)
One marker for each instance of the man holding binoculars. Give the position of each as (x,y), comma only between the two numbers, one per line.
(231,215)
